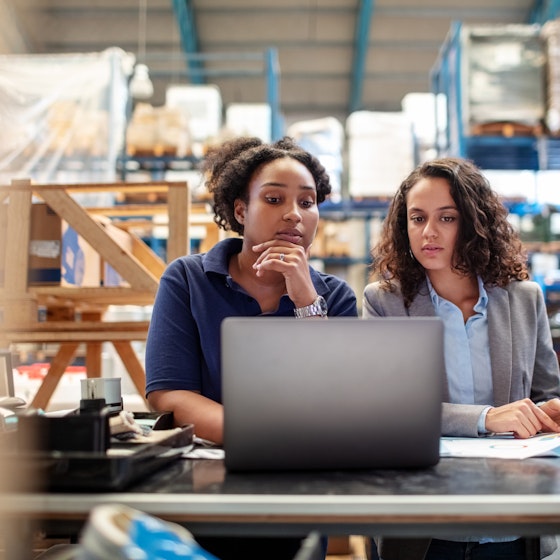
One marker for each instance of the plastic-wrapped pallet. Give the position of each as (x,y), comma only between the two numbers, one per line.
(63,116)
(249,119)
(158,131)
(203,107)
(427,113)
(551,35)
(324,138)
(504,74)
(380,152)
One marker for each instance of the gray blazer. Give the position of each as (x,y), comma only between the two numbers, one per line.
(524,364)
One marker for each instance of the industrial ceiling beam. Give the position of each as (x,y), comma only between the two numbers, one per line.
(544,10)
(184,14)
(361,42)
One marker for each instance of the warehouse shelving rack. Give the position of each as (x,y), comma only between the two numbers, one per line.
(231,65)
(515,152)
(197,68)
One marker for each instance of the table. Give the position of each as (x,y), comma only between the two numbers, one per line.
(455,497)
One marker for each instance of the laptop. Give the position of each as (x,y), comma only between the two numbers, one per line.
(343,393)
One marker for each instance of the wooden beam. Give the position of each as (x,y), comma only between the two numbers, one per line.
(118,257)
(179,209)
(56,370)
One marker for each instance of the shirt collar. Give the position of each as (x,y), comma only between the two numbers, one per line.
(481,304)
(217,258)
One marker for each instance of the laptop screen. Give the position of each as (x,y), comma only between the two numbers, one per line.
(329,394)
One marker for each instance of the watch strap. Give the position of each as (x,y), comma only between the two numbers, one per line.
(316,309)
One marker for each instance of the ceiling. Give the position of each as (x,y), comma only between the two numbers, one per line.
(333,56)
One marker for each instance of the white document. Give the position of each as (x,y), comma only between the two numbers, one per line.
(503,446)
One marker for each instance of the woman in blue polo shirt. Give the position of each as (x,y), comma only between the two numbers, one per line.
(268,194)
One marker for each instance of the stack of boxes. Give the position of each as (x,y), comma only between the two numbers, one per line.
(380,152)
(551,36)
(504,75)
(324,138)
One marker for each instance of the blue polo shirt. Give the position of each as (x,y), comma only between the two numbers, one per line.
(195,294)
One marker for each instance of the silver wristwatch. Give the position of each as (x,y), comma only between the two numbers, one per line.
(316,309)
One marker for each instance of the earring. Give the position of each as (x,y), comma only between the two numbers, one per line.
(411,254)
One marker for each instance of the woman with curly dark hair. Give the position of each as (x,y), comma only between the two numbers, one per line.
(268,194)
(486,246)
(448,250)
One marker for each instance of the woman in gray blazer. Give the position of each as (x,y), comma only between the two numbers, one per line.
(447,249)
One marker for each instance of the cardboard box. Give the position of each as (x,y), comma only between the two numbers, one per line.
(44,246)
(83,266)
(110,276)
(80,263)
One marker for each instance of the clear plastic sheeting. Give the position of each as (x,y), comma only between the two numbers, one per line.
(505,74)
(63,116)
(551,35)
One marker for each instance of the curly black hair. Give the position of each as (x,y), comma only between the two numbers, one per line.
(487,245)
(230,166)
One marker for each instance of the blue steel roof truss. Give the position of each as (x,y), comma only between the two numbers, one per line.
(361,41)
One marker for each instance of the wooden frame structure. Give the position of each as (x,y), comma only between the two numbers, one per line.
(139,266)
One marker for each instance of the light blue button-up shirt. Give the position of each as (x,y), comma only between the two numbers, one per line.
(467,349)
(467,362)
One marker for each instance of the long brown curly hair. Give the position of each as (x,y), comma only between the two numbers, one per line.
(487,245)
(230,166)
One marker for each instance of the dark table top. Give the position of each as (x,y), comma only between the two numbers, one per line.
(451,476)
(459,496)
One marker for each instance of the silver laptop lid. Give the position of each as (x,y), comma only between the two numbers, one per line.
(331,394)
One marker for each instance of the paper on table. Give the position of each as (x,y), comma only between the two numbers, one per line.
(502,446)
(203,449)
(203,453)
